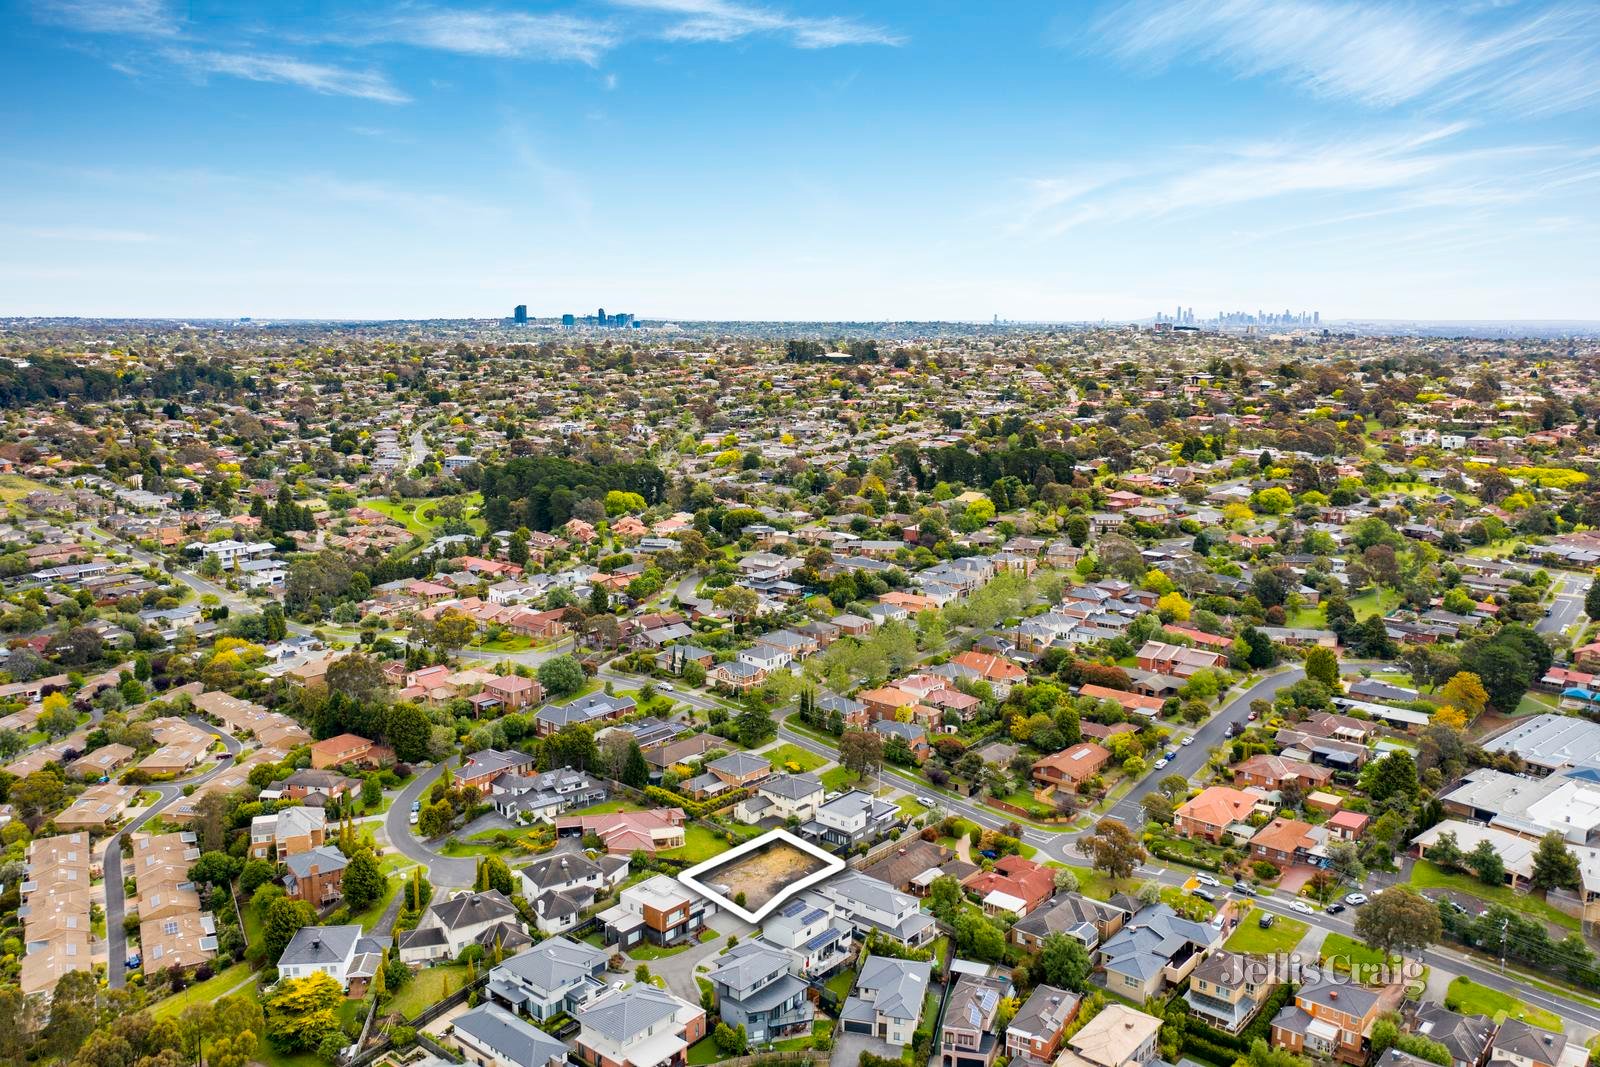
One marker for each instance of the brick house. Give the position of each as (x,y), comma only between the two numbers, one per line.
(1071,767)
(1333,1020)
(1209,814)
(349,748)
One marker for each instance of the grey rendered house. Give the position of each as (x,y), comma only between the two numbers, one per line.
(888,998)
(755,989)
(555,976)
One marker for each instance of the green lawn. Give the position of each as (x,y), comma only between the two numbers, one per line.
(1347,950)
(1189,906)
(1283,937)
(704,1052)
(608,808)
(429,986)
(910,806)
(205,992)
(1373,602)
(838,778)
(1469,998)
(645,951)
(821,1031)
(1428,875)
(1536,704)
(841,984)
(786,754)
(389,866)
(699,845)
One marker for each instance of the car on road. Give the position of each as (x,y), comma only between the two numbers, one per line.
(666,687)
(1244,887)
(927,802)
(1355,900)
(1252,716)
(1333,909)
(1206,879)
(412,819)
(1160,763)
(1187,740)
(416,805)
(1203,893)
(1302,907)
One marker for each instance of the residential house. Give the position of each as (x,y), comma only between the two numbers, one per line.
(1227,989)
(287,832)
(349,748)
(1216,812)
(1276,772)
(969,1036)
(656,830)
(344,953)
(1085,919)
(490,1036)
(483,767)
(1119,1036)
(1014,885)
(1155,949)
(1034,1036)
(450,925)
(546,795)
(556,976)
(867,904)
(1467,1037)
(888,999)
(316,877)
(817,941)
(100,807)
(586,710)
(1000,673)
(640,1026)
(1333,1019)
(561,885)
(851,819)
(1072,767)
(659,910)
(1518,1044)
(782,797)
(1286,842)
(756,990)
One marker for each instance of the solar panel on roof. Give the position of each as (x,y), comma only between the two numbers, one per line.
(793,908)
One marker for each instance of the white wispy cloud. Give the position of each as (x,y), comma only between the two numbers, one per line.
(508,34)
(1378,52)
(287,70)
(1400,171)
(143,18)
(726,20)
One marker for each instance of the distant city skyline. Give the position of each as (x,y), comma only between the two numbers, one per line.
(729,160)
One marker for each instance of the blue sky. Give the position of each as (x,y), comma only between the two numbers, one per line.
(831,159)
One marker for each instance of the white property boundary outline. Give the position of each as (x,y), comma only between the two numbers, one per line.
(831,865)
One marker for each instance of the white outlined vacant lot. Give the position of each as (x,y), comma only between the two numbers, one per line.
(767,870)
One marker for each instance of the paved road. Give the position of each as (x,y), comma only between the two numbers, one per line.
(443,871)
(1213,733)
(419,451)
(116,905)
(1567,605)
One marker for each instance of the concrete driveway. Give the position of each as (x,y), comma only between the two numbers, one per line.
(847,1048)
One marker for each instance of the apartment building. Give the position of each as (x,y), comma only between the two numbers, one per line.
(55,911)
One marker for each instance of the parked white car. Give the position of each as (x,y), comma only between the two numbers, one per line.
(1206,879)
(1302,907)
(1355,900)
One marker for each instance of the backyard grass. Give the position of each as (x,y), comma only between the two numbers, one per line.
(1428,875)
(1348,950)
(1373,602)
(821,1032)
(609,807)
(699,845)
(1536,704)
(841,984)
(1284,935)
(837,778)
(391,864)
(1469,998)
(1188,906)
(786,754)
(205,992)
(429,986)
(704,1052)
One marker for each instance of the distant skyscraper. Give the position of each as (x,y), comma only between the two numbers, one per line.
(600,317)
(520,315)
(569,320)
(1316,317)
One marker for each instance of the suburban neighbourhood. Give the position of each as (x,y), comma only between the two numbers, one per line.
(1045,697)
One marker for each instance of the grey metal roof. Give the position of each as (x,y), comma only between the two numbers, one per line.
(470,909)
(792,786)
(553,964)
(896,987)
(496,1028)
(622,1014)
(325,858)
(313,945)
